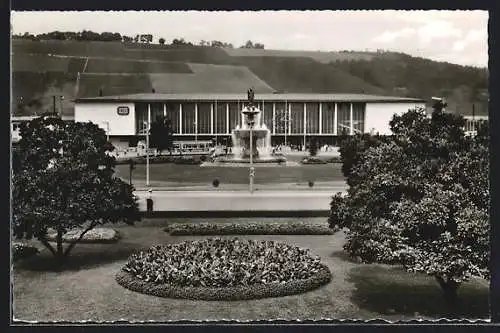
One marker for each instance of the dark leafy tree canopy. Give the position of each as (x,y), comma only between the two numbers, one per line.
(161,134)
(64,179)
(420,199)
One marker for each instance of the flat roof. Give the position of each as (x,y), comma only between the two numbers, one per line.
(29,118)
(277,97)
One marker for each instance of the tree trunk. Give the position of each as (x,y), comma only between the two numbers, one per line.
(59,252)
(450,288)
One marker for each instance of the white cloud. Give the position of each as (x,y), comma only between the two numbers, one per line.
(391,36)
(436,30)
(476,36)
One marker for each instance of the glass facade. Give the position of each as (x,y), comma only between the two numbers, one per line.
(220,118)
(173,116)
(358,116)
(281,117)
(327,118)
(343,118)
(141,116)
(312,118)
(289,116)
(204,117)
(297,123)
(234,115)
(188,118)
(267,115)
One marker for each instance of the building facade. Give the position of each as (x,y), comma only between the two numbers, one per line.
(291,118)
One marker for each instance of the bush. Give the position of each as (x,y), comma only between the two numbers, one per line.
(21,251)
(188,160)
(246,229)
(421,200)
(215,183)
(313,160)
(230,269)
(334,159)
(352,148)
(310,183)
(203,158)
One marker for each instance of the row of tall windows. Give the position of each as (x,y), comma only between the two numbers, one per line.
(287,116)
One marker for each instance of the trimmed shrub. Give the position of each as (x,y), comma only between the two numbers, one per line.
(313,160)
(215,183)
(334,159)
(206,229)
(310,183)
(223,269)
(21,251)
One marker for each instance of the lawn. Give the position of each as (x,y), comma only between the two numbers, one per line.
(173,174)
(87,290)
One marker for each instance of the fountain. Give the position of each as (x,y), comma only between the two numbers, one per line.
(259,151)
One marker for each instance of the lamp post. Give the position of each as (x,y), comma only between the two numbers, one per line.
(146,125)
(195,123)
(250,112)
(252,170)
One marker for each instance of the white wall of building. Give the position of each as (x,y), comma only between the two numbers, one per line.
(378,115)
(103,113)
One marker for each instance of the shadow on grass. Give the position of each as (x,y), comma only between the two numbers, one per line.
(83,256)
(343,256)
(391,290)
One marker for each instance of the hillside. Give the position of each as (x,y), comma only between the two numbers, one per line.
(45,68)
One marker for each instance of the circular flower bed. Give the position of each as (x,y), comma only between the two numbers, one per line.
(223,269)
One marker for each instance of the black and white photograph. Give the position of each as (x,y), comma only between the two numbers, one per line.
(246,166)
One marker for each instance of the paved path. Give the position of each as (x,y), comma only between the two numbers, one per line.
(306,200)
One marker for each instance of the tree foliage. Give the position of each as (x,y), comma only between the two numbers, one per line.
(313,148)
(161,134)
(420,199)
(64,179)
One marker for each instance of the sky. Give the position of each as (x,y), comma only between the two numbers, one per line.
(459,37)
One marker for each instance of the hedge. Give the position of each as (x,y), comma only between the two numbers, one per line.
(235,293)
(206,229)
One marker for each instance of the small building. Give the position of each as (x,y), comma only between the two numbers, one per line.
(292,118)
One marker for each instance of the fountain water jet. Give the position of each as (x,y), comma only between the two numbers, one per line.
(262,153)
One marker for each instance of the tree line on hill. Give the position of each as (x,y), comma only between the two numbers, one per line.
(87,35)
(397,75)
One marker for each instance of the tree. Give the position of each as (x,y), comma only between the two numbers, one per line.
(313,148)
(64,179)
(161,134)
(161,41)
(421,200)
